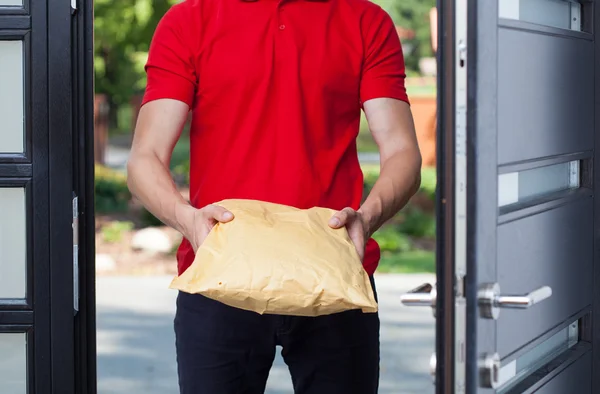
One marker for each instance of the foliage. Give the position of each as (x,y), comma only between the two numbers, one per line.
(181,173)
(122,34)
(428,182)
(413,220)
(111,190)
(148,219)
(412,15)
(369,179)
(180,161)
(414,261)
(396,238)
(392,240)
(416,223)
(114,231)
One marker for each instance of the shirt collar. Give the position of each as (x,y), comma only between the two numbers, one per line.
(316,1)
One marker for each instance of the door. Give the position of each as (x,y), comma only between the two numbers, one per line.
(517,306)
(46,308)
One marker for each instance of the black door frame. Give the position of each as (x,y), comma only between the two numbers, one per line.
(71,169)
(592,331)
(60,168)
(83,119)
(444,306)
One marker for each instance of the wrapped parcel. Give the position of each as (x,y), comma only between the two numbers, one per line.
(276,259)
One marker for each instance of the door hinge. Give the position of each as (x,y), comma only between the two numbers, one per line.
(73,7)
(75,226)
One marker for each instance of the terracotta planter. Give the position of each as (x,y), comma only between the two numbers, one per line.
(424,114)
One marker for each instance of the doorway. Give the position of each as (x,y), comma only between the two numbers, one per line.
(516,211)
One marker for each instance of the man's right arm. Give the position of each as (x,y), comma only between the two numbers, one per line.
(158,128)
(167,101)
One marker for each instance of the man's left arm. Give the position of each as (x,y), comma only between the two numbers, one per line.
(392,127)
(384,100)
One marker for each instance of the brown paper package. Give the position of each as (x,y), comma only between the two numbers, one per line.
(276,259)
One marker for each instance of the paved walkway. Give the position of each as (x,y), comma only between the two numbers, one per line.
(136,341)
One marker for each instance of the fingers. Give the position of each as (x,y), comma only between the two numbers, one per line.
(341,218)
(219,213)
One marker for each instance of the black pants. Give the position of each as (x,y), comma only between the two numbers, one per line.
(225,350)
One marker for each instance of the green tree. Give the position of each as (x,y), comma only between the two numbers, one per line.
(412,15)
(122,33)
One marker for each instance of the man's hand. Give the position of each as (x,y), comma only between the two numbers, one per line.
(202,222)
(356,226)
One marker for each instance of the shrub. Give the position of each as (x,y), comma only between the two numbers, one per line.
(181,172)
(148,219)
(180,162)
(390,239)
(416,223)
(114,231)
(414,261)
(370,176)
(111,191)
(428,182)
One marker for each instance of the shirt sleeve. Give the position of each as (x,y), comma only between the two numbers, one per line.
(170,69)
(384,72)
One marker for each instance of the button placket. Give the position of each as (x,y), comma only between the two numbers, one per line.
(280,21)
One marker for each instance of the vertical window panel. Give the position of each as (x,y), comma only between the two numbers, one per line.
(12,127)
(13,363)
(13,243)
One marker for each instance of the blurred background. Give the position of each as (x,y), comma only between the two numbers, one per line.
(135,253)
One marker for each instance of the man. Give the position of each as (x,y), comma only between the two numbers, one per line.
(275,89)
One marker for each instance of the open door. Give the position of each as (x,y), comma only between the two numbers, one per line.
(47,341)
(518,292)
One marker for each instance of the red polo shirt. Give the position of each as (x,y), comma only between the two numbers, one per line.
(276,89)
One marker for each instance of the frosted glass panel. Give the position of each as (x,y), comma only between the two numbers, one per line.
(517,370)
(555,13)
(538,182)
(13,245)
(11,2)
(544,180)
(13,363)
(11,97)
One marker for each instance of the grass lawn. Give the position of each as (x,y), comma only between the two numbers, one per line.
(414,261)
(370,168)
(421,90)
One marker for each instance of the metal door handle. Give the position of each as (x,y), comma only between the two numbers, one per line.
(424,295)
(489,371)
(524,302)
(490,300)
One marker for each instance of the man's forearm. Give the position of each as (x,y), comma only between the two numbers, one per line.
(151,182)
(399,180)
